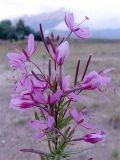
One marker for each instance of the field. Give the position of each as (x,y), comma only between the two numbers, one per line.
(104,109)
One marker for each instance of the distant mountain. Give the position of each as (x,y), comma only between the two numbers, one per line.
(106,34)
(53,20)
(49,20)
(110,34)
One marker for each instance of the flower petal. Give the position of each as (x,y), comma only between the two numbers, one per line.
(16,60)
(39,97)
(38,125)
(62,52)
(82,33)
(55,97)
(69,20)
(75,97)
(30,49)
(74,113)
(66,83)
(39,135)
(94,137)
(51,121)
(21,101)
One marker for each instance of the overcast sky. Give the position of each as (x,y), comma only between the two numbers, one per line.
(103,13)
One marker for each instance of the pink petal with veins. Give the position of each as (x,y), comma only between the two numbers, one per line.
(30,49)
(66,83)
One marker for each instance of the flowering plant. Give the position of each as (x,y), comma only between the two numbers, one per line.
(54,96)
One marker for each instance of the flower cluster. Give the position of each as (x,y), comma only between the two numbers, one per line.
(54,95)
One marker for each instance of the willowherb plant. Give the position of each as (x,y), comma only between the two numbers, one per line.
(51,93)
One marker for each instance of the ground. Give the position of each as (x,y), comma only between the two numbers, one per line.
(104,109)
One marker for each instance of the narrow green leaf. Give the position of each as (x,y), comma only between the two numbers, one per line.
(36,116)
(65,122)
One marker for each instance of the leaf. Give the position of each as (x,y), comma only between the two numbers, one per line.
(36,116)
(79,151)
(63,105)
(49,145)
(65,154)
(65,122)
(62,110)
(63,142)
(35,151)
(71,134)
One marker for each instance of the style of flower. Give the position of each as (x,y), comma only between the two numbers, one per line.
(75,28)
(94,137)
(43,126)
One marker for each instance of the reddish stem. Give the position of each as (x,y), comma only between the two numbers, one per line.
(87,64)
(77,71)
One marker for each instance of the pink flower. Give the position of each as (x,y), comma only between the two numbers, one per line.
(96,80)
(78,117)
(39,97)
(17,60)
(28,99)
(94,137)
(47,99)
(29,83)
(62,53)
(24,84)
(43,126)
(55,97)
(37,84)
(74,97)
(22,101)
(75,28)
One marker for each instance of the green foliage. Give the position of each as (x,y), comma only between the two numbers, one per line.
(64,122)
(17,32)
(37,36)
(5,29)
(36,116)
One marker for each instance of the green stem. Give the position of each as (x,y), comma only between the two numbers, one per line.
(49,145)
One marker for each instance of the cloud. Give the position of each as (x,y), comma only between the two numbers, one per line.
(98,11)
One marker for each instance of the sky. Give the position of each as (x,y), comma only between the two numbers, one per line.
(102,13)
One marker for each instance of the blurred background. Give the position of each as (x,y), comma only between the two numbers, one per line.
(19,18)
